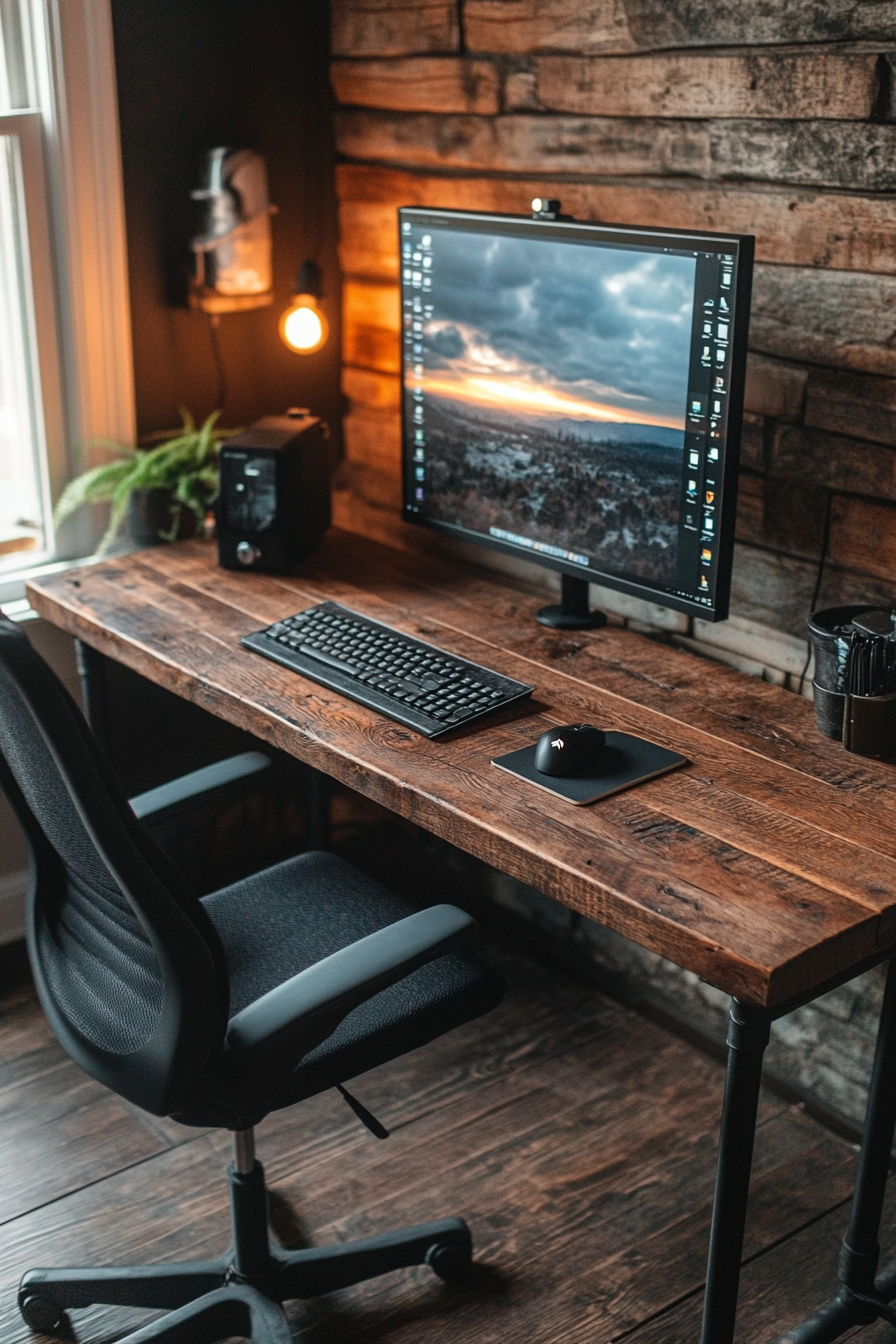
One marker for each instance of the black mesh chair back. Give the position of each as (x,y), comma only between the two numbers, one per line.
(128,966)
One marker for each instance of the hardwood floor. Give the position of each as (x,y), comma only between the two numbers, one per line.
(577,1138)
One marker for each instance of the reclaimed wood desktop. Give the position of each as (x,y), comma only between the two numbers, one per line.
(767,865)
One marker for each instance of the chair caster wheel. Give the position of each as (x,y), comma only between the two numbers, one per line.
(41,1314)
(451,1261)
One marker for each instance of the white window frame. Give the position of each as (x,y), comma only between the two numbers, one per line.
(25,129)
(70,154)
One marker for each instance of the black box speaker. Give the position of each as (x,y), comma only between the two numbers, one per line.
(274,501)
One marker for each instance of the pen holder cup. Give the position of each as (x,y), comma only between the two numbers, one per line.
(869,726)
(830,644)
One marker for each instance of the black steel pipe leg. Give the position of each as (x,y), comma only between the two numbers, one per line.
(95,692)
(864,1293)
(860,1252)
(318,790)
(748,1035)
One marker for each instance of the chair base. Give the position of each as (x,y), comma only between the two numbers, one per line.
(242,1293)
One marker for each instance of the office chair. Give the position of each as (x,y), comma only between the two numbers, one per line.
(215,1011)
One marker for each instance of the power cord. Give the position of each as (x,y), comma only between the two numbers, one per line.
(822,560)
(214,321)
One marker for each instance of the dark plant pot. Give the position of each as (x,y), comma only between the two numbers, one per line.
(151,513)
(831,644)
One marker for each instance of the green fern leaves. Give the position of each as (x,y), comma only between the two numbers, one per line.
(186,463)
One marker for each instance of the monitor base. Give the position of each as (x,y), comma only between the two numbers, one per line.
(573,612)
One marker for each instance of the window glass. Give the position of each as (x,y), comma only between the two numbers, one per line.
(21,493)
(23,532)
(16,57)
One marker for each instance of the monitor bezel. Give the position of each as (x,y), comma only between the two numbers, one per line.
(742,246)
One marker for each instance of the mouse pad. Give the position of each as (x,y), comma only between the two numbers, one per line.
(624,762)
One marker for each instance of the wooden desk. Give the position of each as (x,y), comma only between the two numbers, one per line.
(767,865)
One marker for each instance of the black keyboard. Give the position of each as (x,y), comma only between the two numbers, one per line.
(411,682)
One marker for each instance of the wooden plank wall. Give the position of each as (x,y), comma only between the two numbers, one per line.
(774,118)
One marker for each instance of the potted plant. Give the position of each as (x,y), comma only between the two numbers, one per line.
(164,488)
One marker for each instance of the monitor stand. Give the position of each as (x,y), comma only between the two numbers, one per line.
(573,613)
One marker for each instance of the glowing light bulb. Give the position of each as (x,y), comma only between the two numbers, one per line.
(303,327)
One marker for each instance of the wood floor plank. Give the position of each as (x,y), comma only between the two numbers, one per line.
(174,1206)
(554,1295)
(59,1129)
(577,1137)
(780,1288)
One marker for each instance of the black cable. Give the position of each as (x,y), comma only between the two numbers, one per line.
(825,543)
(213,324)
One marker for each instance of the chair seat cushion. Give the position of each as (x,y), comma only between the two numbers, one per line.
(280,921)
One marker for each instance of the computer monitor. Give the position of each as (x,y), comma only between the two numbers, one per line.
(573,394)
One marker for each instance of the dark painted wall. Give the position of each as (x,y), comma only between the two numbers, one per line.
(192,75)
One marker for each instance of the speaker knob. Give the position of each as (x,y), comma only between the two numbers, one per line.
(246,553)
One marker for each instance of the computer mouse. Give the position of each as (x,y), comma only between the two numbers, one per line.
(565,751)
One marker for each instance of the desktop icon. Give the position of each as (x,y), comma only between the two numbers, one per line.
(710,496)
(706,555)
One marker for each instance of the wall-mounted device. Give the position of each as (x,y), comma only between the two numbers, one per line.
(274,502)
(233,252)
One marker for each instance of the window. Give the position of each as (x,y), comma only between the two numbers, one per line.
(22,502)
(65,355)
